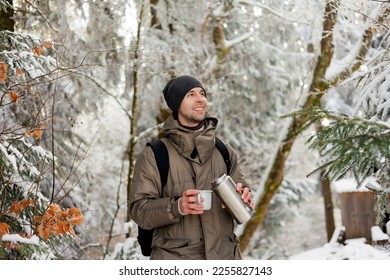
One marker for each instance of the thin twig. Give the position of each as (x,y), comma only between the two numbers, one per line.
(52,140)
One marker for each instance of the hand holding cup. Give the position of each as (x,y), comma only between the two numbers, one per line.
(195,201)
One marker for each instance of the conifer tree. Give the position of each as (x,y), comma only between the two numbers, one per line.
(32,225)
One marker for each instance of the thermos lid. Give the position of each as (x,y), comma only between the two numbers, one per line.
(218,180)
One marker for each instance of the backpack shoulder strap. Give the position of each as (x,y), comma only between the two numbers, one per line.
(225,153)
(162,159)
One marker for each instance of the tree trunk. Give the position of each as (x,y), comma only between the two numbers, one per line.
(328,205)
(327,195)
(6,18)
(134,108)
(317,89)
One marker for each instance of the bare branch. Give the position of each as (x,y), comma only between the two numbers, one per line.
(104,90)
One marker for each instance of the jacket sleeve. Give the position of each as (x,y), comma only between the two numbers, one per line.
(148,208)
(236,172)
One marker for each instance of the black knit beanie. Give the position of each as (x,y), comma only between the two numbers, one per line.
(177,88)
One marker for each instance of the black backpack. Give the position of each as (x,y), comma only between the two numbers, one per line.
(160,151)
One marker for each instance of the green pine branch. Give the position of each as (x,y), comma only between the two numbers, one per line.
(348,145)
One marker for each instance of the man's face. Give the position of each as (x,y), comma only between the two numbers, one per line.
(193,107)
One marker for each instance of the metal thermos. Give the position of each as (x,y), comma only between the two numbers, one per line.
(225,188)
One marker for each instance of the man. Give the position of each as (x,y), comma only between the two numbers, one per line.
(181,229)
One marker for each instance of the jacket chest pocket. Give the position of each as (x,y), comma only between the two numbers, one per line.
(181,177)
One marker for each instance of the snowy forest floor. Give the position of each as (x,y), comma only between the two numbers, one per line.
(308,239)
(307,230)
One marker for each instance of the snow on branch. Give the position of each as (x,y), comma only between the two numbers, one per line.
(276,13)
(148,131)
(339,66)
(237,40)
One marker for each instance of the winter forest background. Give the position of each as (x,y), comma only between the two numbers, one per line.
(301,89)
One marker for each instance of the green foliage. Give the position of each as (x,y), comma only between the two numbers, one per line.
(352,146)
(349,145)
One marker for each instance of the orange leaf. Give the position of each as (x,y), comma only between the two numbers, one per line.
(53,209)
(19,72)
(38,219)
(47,44)
(48,217)
(64,226)
(13,96)
(61,215)
(38,50)
(3,71)
(3,229)
(71,231)
(57,221)
(40,231)
(18,207)
(27,202)
(54,229)
(37,133)
(3,66)
(76,217)
(28,133)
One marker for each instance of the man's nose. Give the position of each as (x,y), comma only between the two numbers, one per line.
(200,97)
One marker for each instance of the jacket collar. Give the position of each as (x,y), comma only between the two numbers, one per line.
(186,140)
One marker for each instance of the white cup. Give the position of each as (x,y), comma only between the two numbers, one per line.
(205,195)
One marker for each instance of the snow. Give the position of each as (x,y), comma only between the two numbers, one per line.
(352,249)
(355,250)
(11,158)
(378,235)
(350,185)
(15,238)
(338,66)
(313,230)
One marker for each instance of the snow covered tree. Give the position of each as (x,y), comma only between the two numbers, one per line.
(326,74)
(356,142)
(33,225)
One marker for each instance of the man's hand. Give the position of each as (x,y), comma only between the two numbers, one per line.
(246,194)
(188,203)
